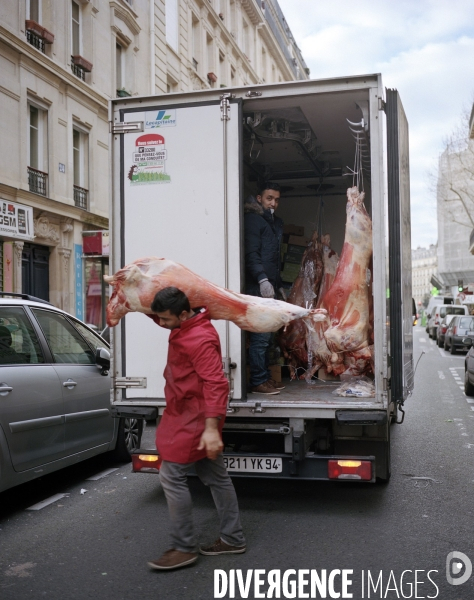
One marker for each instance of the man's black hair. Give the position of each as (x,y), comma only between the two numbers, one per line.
(172,299)
(268,185)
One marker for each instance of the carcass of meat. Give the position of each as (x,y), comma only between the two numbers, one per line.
(347,300)
(136,284)
(319,353)
(304,292)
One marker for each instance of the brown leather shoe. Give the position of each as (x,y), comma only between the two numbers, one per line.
(276,384)
(173,559)
(264,388)
(220,547)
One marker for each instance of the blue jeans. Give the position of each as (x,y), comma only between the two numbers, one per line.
(174,481)
(259,358)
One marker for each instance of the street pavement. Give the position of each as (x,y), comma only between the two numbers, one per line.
(94,542)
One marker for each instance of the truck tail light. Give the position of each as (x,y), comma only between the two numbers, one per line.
(146,461)
(350,469)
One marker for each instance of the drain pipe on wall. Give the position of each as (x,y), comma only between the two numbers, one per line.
(152,47)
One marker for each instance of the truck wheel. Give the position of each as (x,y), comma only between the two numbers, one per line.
(468,387)
(128,438)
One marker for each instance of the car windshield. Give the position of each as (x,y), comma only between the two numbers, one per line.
(466,323)
(451,310)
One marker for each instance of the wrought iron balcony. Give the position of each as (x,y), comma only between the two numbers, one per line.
(80,197)
(37,181)
(35,40)
(80,66)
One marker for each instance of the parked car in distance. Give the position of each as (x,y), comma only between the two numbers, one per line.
(55,393)
(460,328)
(469,367)
(436,301)
(443,326)
(438,313)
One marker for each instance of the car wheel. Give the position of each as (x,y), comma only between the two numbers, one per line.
(468,387)
(440,343)
(452,349)
(128,438)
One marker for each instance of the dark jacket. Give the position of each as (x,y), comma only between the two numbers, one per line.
(263,233)
(196,388)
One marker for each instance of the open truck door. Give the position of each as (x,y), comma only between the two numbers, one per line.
(180,163)
(401,317)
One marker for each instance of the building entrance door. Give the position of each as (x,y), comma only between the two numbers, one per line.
(35,271)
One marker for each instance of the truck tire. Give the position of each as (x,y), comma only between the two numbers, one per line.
(128,439)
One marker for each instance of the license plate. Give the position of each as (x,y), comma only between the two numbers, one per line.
(253,464)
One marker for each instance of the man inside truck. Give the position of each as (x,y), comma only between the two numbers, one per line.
(190,431)
(263,234)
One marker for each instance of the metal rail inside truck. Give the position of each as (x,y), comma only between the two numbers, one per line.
(183,165)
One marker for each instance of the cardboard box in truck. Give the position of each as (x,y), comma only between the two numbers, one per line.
(172,199)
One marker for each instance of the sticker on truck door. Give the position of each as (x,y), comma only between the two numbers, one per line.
(149,160)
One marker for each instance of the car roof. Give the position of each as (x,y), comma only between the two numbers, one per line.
(34,304)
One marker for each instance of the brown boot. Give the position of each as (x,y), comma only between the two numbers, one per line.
(276,384)
(220,547)
(173,559)
(265,388)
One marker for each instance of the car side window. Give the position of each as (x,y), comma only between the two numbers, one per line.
(65,342)
(94,340)
(19,344)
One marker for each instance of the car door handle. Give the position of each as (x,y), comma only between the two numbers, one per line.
(69,384)
(5,389)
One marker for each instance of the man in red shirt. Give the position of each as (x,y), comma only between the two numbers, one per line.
(190,430)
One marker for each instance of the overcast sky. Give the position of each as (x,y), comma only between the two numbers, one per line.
(423,48)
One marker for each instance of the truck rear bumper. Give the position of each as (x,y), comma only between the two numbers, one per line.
(279,466)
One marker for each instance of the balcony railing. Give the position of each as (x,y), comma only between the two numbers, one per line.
(80,197)
(78,71)
(35,41)
(38,181)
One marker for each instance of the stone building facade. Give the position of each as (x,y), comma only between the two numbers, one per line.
(61,61)
(424,264)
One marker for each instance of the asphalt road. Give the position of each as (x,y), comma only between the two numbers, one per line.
(96,544)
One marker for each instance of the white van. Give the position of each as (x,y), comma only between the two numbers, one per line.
(439,311)
(435,301)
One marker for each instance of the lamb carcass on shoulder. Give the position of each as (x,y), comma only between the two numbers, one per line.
(136,284)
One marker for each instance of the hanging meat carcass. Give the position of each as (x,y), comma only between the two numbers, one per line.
(347,300)
(136,284)
(319,353)
(304,293)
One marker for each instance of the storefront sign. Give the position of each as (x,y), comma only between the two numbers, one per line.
(16,220)
(79,281)
(105,243)
(96,242)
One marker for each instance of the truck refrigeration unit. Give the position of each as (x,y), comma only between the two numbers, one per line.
(182,167)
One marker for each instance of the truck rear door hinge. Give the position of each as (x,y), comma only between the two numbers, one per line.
(225,106)
(253,94)
(381,104)
(386,384)
(126,127)
(121,383)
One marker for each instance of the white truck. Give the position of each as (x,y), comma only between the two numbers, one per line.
(182,165)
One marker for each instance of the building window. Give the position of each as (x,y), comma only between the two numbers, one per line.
(33,10)
(37,150)
(76,29)
(119,67)
(171,23)
(196,42)
(222,70)
(210,53)
(80,148)
(245,38)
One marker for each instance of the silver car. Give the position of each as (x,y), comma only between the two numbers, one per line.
(54,393)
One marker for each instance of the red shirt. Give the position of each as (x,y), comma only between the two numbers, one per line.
(196,388)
